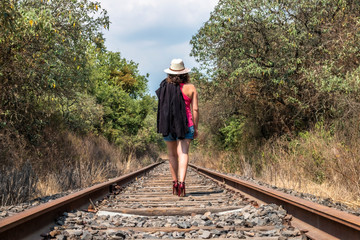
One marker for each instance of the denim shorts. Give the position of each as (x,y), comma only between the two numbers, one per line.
(188,135)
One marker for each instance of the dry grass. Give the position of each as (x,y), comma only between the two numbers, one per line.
(17,185)
(63,162)
(316,162)
(223,161)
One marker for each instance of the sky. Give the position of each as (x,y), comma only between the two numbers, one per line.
(153,32)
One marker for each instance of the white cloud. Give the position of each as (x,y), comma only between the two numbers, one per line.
(133,15)
(152,32)
(154,60)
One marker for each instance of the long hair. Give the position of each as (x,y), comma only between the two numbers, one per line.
(178,78)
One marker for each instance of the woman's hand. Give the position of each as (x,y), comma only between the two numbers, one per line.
(196,133)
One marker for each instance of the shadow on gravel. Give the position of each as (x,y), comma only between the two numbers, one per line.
(203,193)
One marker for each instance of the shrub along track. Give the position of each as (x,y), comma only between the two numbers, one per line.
(146,208)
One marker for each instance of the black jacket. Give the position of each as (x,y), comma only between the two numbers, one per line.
(171,115)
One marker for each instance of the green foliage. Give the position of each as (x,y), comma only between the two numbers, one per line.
(61,91)
(120,89)
(232,132)
(318,163)
(281,98)
(43,57)
(82,114)
(281,65)
(56,73)
(113,70)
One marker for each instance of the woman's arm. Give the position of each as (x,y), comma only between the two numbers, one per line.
(195,111)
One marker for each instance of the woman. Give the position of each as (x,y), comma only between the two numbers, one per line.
(178,117)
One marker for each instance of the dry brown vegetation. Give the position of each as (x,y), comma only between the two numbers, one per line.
(279,93)
(64,161)
(72,113)
(318,162)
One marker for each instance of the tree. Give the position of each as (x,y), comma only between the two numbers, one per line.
(43,57)
(61,91)
(119,87)
(282,65)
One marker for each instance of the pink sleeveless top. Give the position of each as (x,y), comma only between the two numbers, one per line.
(187,107)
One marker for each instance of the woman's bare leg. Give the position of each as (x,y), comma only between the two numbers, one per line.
(173,159)
(183,155)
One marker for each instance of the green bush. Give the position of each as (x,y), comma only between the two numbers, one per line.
(282,65)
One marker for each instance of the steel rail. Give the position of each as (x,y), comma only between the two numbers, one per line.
(317,221)
(34,221)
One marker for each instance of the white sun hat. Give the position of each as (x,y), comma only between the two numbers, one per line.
(177,67)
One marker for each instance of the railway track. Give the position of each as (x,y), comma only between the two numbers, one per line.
(141,205)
